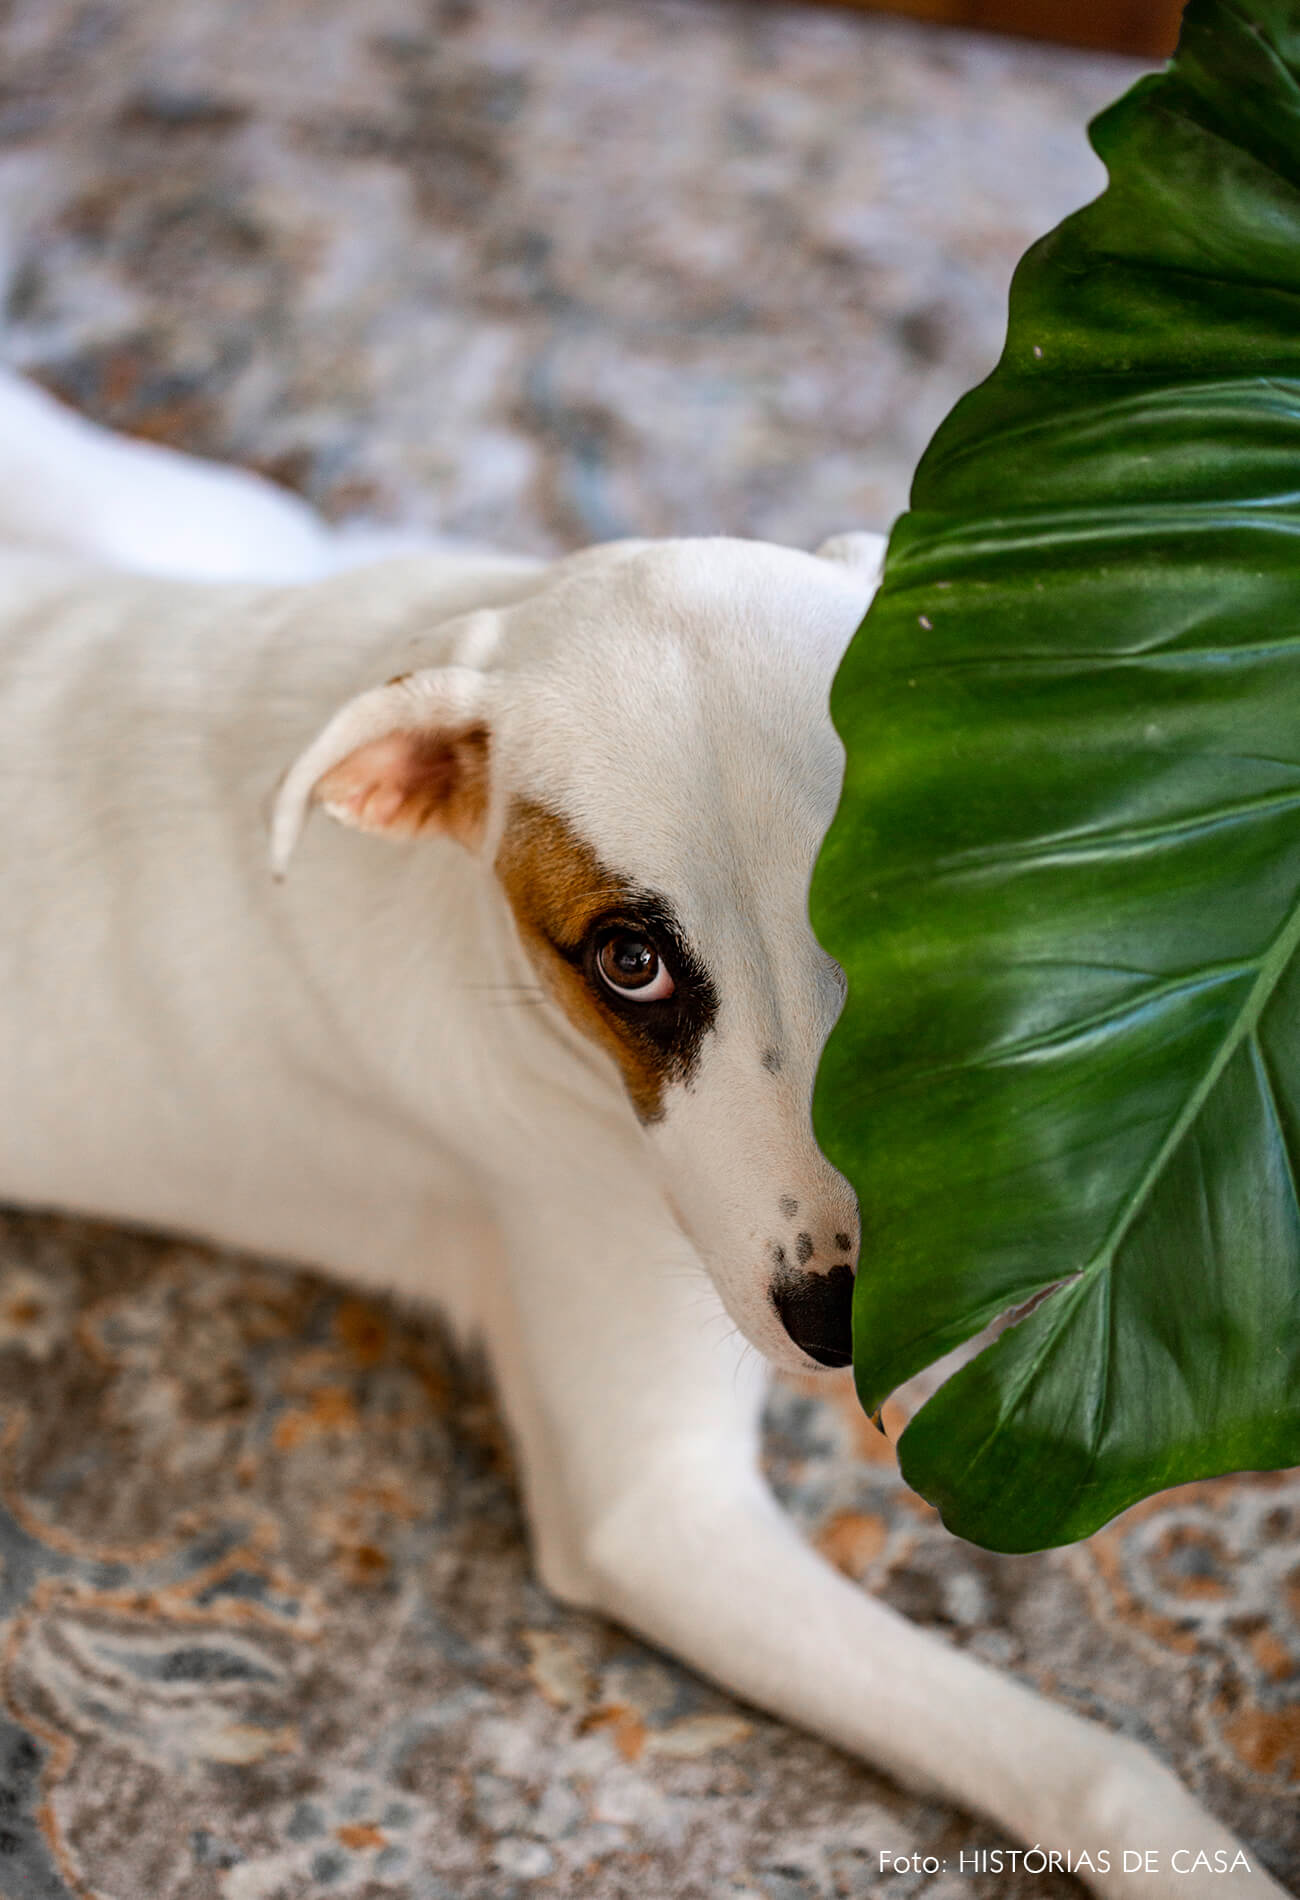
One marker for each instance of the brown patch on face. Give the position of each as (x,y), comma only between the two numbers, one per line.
(410,782)
(558,889)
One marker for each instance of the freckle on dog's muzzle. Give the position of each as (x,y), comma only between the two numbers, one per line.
(816,1310)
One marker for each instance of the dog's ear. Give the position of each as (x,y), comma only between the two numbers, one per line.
(407,758)
(860,550)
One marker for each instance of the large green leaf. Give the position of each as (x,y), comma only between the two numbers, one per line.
(1064,880)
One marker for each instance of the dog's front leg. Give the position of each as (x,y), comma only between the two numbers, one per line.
(635,1408)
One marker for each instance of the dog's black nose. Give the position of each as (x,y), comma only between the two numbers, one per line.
(816,1310)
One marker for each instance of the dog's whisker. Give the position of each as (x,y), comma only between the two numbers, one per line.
(532,989)
(697,1273)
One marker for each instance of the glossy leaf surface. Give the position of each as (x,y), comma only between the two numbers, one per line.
(1064,880)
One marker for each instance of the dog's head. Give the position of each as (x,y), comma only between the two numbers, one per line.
(641,753)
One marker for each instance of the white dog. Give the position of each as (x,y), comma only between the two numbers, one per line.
(531,1033)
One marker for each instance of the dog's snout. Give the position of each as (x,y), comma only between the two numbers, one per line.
(816,1310)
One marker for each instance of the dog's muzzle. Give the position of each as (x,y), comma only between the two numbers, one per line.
(816,1310)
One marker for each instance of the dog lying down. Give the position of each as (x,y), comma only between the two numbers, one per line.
(596,786)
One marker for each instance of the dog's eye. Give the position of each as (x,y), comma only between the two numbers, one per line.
(631,966)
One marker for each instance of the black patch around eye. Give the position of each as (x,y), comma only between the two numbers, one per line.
(676,1025)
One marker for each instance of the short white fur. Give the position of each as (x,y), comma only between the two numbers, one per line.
(349,1066)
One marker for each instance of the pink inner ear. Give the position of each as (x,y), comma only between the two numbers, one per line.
(410,782)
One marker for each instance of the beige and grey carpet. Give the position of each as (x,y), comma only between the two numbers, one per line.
(532,272)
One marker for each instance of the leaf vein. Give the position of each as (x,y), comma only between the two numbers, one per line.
(1082,845)
(1272,964)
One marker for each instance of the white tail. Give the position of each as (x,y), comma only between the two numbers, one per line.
(68,486)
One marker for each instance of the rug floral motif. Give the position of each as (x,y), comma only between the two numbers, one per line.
(269,1629)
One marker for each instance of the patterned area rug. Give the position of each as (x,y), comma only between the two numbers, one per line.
(532,275)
